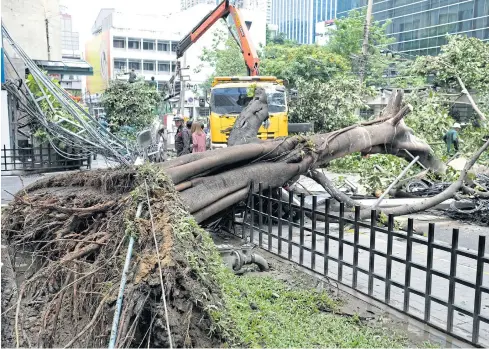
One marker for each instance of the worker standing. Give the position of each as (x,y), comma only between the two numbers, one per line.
(188,130)
(451,137)
(152,82)
(198,139)
(132,76)
(182,137)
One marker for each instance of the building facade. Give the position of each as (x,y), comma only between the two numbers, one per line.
(420,27)
(70,52)
(297,18)
(122,42)
(186,4)
(147,43)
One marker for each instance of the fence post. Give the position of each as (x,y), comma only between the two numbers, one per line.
(270,215)
(326,237)
(5,157)
(341,234)
(280,215)
(429,274)
(313,247)
(40,157)
(478,288)
(356,237)
(409,255)
(451,283)
(260,214)
(252,211)
(388,262)
(371,257)
(301,230)
(291,201)
(49,155)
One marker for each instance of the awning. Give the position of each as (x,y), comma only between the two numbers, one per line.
(72,66)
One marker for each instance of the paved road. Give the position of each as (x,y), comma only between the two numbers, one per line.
(466,269)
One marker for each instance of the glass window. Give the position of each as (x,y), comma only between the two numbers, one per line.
(149,65)
(163,46)
(119,42)
(164,67)
(276,102)
(120,64)
(134,44)
(173,67)
(229,100)
(148,45)
(136,65)
(432,42)
(174,46)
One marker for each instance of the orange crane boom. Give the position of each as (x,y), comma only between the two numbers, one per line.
(223,10)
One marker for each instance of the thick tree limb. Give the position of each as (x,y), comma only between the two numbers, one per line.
(471,100)
(406,209)
(476,193)
(246,126)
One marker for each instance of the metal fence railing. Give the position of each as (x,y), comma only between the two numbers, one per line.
(41,158)
(437,283)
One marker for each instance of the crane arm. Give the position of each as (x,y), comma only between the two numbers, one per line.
(247,48)
(222,11)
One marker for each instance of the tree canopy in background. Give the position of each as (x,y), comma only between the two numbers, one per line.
(130,104)
(293,62)
(346,41)
(464,57)
(330,105)
(224,56)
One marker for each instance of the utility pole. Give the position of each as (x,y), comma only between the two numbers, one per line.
(366,28)
(182,85)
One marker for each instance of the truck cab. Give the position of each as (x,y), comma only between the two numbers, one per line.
(230,95)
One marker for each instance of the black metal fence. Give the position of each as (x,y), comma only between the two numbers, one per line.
(42,158)
(437,283)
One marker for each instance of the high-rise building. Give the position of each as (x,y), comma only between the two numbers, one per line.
(185,4)
(420,27)
(297,18)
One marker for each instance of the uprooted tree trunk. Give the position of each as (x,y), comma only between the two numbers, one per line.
(74,230)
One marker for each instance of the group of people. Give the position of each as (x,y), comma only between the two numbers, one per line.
(189,138)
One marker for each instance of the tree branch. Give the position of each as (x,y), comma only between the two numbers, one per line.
(469,97)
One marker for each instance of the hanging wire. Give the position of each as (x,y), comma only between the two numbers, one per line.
(89,135)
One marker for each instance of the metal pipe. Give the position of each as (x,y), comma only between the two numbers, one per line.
(117,314)
(395,181)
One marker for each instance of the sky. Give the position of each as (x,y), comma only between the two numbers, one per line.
(85,12)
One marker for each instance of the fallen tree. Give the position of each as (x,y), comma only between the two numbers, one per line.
(73,228)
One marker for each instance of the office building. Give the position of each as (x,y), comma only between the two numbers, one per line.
(147,43)
(124,41)
(70,52)
(186,4)
(297,18)
(420,27)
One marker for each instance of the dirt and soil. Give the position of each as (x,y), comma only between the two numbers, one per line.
(73,233)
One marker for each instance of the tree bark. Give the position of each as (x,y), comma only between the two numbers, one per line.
(403,210)
(211,182)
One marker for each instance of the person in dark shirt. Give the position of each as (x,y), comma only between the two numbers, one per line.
(152,82)
(451,137)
